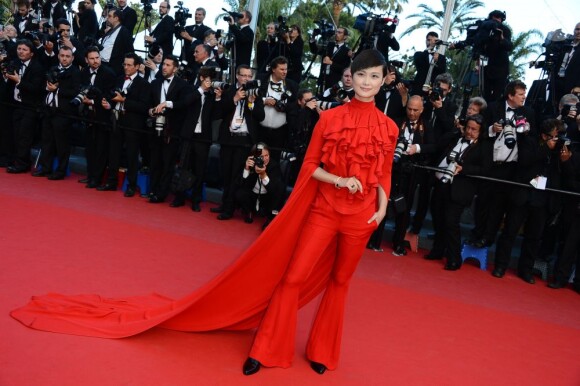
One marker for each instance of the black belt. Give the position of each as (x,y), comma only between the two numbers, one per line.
(241,134)
(503,162)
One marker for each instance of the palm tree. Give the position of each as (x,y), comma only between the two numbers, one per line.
(430,18)
(522,50)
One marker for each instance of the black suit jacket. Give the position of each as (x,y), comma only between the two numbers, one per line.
(266,50)
(443,119)
(293,53)
(32,84)
(123,45)
(227,108)
(498,51)
(395,110)
(192,116)
(59,12)
(89,26)
(28,26)
(385,41)
(243,44)
(68,88)
(105,82)
(137,103)
(475,160)
(196,32)
(129,20)
(163,34)
(289,85)
(340,61)
(421,60)
(496,111)
(425,138)
(180,94)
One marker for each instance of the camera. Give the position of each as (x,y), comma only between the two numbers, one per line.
(157,122)
(185,72)
(281,103)
(9,68)
(88,91)
(223,85)
(371,25)
(153,51)
(322,105)
(449,171)
(343,94)
(252,88)
(233,16)
(288,156)
(110,4)
(566,109)
(509,133)
(325,29)
(282,27)
(257,156)
(180,17)
(402,145)
(118,90)
(36,36)
(436,93)
(561,142)
(521,124)
(55,74)
(89,41)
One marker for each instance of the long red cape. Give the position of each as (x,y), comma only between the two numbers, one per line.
(234,300)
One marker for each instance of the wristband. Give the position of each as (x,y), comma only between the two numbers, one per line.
(336,182)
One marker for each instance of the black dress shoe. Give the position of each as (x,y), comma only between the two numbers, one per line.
(83,180)
(40,173)
(217,209)
(527,277)
(224,216)
(557,284)
(248,219)
(452,266)
(177,202)
(129,192)
(251,366)
(195,207)
(318,367)
(56,176)
(16,169)
(91,185)
(481,243)
(154,199)
(107,188)
(498,272)
(400,251)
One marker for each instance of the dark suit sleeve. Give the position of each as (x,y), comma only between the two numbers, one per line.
(139,101)
(163,33)
(130,20)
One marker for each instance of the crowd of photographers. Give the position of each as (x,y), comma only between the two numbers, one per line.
(62,71)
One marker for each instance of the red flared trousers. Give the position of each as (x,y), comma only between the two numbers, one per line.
(275,339)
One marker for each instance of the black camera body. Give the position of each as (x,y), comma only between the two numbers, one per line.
(89,91)
(118,90)
(370,24)
(436,93)
(282,27)
(9,68)
(232,16)
(325,29)
(55,74)
(400,148)
(259,161)
(281,103)
(566,109)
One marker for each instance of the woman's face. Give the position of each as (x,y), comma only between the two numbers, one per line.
(367,82)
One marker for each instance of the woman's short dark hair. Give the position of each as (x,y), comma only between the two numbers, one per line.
(367,59)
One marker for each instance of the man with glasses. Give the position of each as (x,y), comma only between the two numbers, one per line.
(461,154)
(163,32)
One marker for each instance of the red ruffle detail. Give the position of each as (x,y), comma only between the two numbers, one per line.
(357,141)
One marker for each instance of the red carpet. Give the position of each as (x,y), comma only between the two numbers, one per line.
(408,321)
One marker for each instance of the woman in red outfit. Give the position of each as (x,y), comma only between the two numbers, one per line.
(332,212)
(350,202)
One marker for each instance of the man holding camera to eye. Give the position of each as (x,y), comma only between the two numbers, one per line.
(243,37)
(277,92)
(128,103)
(163,32)
(194,32)
(335,59)
(260,189)
(241,109)
(53,10)
(63,84)
(63,38)
(342,91)
(502,117)
(26,86)
(150,67)
(23,19)
(101,81)
(393,96)
(170,98)
(497,48)
(570,115)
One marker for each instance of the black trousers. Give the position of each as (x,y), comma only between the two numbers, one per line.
(25,122)
(426,180)
(163,159)
(534,220)
(570,256)
(446,215)
(96,151)
(55,142)
(120,138)
(246,199)
(7,147)
(232,161)
(493,86)
(275,139)
(404,181)
(197,163)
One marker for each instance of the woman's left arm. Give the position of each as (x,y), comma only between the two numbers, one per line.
(382,209)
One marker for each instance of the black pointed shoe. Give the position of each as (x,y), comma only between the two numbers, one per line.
(251,366)
(318,367)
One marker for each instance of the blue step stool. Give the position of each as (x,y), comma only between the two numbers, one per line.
(142,183)
(469,251)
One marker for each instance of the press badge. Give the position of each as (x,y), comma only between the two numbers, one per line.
(238,122)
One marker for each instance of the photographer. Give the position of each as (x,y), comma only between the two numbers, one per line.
(150,67)
(87,22)
(568,67)
(170,98)
(335,59)
(276,91)
(342,91)
(539,164)
(385,40)
(26,88)
(63,83)
(439,109)
(243,37)
(196,136)
(461,153)
(100,80)
(128,16)
(191,33)
(217,50)
(492,201)
(53,10)
(201,57)
(128,103)
(302,116)
(23,19)
(117,42)
(476,105)
(393,96)
(423,60)
(569,114)
(415,145)
(497,48)
(241,111)
(266,48)
(260,189)
(294,49)
(63,38)
(163,32)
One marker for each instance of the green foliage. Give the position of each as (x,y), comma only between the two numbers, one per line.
(527,45)
(5,11)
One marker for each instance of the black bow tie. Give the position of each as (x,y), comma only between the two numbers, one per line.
(510,109)
(465,140)
(275,84)
(412,126)
(168,80)
(94,72)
